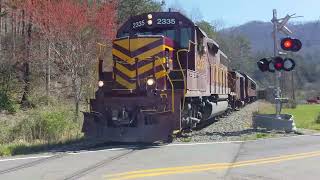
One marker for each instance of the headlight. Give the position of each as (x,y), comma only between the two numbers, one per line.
(149,22)
(151,82)
(100,83)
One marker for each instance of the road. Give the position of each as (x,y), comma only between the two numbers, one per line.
(295,157)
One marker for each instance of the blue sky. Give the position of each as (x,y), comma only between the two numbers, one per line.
(236,12)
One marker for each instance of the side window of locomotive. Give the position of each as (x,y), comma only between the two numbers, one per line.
(124,34)
(170,34)
(144,33)
(185,37)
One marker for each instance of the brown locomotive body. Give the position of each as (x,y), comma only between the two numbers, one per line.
(167,75)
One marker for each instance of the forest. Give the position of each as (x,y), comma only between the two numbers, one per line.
(48,63)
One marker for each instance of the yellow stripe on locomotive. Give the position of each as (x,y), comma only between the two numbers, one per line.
(138,56)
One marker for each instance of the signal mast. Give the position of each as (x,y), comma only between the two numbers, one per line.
(277,63)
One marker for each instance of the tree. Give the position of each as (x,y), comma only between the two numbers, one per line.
(70,28)
(208,28)
(238,49)
(128,8)
(21,33)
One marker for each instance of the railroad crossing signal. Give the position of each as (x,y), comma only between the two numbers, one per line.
(266,65)
(290,44)
(263,65)
(276,64)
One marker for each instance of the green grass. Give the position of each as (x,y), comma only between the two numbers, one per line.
(187,139)
(22,148)
(257,136)
(261,135)
(305,115)
(38,129)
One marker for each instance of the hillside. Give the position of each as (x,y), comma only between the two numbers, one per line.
(259,34)
(247,43)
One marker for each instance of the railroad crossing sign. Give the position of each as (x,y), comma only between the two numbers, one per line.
(277,63)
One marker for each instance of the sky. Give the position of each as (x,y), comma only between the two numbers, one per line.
(229,13)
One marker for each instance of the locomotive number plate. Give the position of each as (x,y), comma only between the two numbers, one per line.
(166,21)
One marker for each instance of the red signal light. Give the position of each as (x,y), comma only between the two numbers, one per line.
(287,44)
(278,66)
(278,63)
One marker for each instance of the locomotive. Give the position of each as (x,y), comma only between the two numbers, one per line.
(167,76)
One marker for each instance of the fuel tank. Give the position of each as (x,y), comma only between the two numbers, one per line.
(213,109)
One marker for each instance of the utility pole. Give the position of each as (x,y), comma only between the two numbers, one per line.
(278,73)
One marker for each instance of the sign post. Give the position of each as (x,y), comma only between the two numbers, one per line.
(278,73)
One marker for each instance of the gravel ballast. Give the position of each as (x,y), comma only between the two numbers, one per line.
(237,126)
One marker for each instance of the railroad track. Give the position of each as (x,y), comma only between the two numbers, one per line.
(96,166)
(76,175)
(33,163)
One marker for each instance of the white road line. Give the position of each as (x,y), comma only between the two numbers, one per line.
(167,145)
(25,158)
(204,143)
(102,150)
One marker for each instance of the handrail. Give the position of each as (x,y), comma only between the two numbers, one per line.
(172,87)
(184,77)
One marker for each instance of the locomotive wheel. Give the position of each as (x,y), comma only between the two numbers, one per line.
(189,116)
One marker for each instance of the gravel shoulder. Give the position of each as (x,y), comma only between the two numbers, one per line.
(237,126)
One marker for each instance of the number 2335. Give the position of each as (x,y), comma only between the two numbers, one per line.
(166,21)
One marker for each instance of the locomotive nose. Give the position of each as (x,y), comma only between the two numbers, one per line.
(124,116)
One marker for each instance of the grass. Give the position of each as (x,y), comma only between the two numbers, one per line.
(261,135)
(20,148)
(38,129)
(318,119)
(305,115)
(187,139)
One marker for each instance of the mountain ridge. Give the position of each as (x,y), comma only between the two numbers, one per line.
(259,34)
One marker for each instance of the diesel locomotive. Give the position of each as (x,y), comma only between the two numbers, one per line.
(167,76)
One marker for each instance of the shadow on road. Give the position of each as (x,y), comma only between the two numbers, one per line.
(78,145)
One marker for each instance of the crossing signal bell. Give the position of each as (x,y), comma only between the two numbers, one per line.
(276,64)
(290,44)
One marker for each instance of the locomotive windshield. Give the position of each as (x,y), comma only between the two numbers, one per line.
(172,25)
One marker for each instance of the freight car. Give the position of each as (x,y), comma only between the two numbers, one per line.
(250,89)
(237,86)
(243,89)
(167,76)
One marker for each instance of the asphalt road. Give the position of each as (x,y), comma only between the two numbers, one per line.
(283,158)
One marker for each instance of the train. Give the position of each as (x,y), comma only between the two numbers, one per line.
(167,76)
